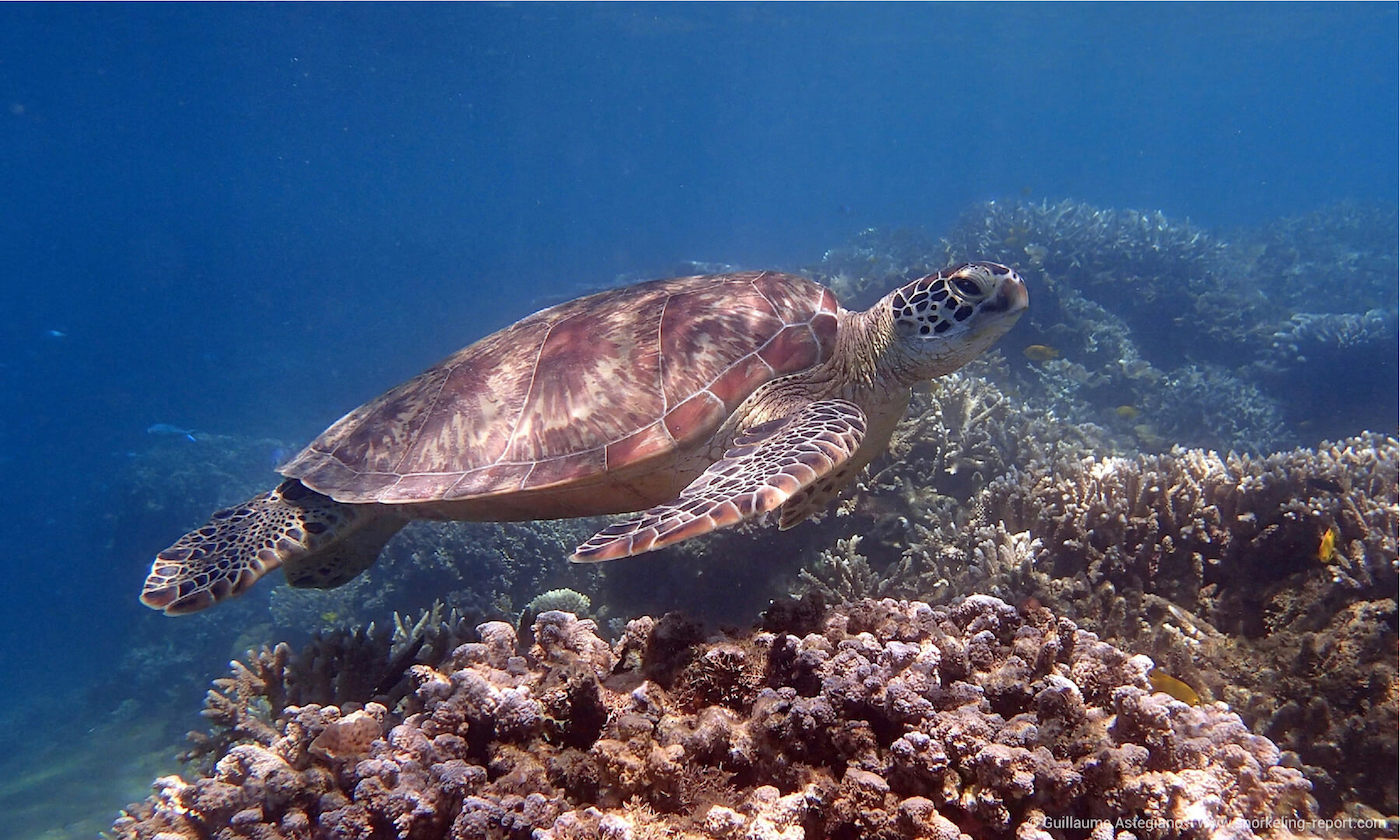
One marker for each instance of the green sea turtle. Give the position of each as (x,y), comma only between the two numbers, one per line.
(698,401)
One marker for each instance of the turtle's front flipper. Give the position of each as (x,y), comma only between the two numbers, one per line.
(766,466)
(240,544)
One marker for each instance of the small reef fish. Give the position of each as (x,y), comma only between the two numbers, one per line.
(1167,684)
(1040,353)
(1327,547)
(55,334)
(1127,412)
(1138,369)
(1016,236)
(167,429)
(1326,484)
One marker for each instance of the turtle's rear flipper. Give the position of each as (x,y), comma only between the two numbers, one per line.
(240,544)
(766,466)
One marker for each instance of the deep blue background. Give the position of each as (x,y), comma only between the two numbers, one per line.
(248,219)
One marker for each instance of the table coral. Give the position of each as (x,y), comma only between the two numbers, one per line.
(892,719)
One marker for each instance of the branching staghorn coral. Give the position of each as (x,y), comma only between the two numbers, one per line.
(240,707)
(900,534)
(1302,315)
(842,574)
(1220,568)
(1209,407)
(355,666)
(1175,524)
(964,432)
(1307,334)
(1338,370)
(1307,258)
(1099,243)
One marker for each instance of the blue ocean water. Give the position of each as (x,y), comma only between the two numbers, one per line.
(244,220)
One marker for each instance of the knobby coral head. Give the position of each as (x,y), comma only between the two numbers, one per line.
(895,719)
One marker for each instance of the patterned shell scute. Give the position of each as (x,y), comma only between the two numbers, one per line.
(602,382)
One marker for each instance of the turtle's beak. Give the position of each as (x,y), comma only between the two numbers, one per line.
(1010,296)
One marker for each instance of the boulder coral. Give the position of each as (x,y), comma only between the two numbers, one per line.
(884,719)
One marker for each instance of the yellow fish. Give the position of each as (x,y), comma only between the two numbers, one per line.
(1041,353)
(1127,412)
(1328,546)
(1167,684)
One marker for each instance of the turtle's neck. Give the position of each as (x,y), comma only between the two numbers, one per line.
(860,370)
(866,366)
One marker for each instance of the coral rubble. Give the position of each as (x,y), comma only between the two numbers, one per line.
(891,719)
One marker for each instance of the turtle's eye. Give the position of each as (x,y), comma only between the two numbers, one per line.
(968,287)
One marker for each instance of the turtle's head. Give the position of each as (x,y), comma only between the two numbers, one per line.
(945,320)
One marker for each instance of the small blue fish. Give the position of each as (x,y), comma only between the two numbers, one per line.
(55,334)
(168,429)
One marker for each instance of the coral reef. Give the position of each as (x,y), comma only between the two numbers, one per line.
(1212,565)
(1061,478)
(965,431)
(1337,368)
(1212,533)
(1148,267)
(896,720)
(1297,315)
(899,533)
(1186,407)
(485,568)
(1346,246)
(1309,334)
(363,664)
